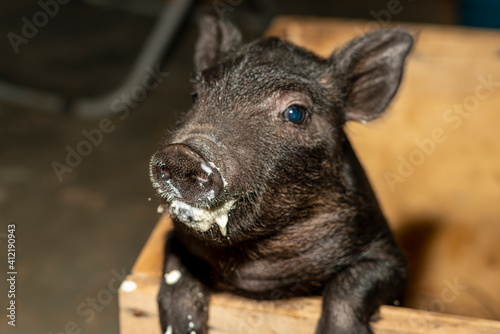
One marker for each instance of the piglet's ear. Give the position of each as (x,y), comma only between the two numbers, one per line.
(370,69)
(217,36)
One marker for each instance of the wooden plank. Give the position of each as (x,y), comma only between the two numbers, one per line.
(138,309)
(301,315)
(449,202)
(150,260)
(230,314)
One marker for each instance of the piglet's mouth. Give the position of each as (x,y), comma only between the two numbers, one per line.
(200,219)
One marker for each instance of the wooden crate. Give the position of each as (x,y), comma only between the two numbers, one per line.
(234,315)
(444,209)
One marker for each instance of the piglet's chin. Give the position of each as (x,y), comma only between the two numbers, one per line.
(200,219)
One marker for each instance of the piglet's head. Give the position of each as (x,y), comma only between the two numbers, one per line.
(261,147)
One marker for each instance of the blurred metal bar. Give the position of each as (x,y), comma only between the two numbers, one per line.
(162,36)
(31,98)
(159,40)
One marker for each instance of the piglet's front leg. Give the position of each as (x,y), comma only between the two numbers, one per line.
(352,297)
(183,299)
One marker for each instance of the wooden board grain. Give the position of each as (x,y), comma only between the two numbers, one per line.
(443,208)
(150,260)
(230,314)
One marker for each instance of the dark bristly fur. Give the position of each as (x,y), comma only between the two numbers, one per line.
(305,220)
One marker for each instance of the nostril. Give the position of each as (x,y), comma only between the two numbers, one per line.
(179,172)
(201,177)
(164,173)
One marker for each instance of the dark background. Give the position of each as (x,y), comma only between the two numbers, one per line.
(74,236)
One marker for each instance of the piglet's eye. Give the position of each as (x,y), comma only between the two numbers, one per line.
(295,114)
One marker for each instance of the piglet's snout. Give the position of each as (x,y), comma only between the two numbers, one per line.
(181,173)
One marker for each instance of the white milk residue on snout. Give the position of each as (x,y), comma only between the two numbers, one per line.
(214,166)
(202,219)
(206,169)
